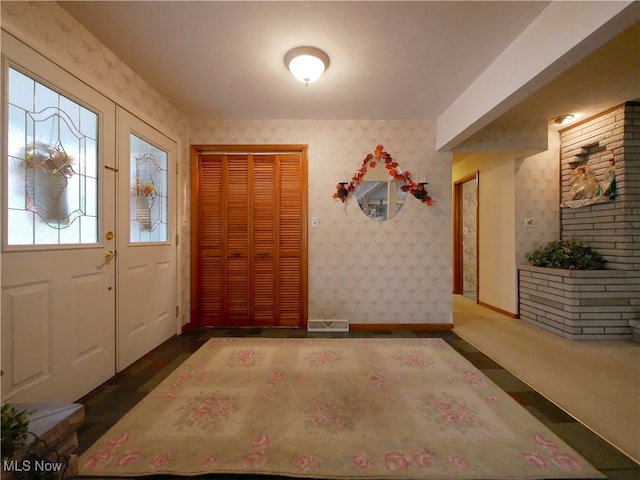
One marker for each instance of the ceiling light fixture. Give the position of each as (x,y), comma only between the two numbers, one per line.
(307,64)
(562,119)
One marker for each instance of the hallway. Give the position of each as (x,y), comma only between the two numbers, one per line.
(596,382)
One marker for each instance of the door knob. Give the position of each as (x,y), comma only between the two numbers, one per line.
(109,255)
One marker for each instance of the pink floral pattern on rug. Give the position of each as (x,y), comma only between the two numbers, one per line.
(330,414)
(248,357)
(413,358)
(256,457)
(448,412)
(553,455)
(205,410)
(404,409)
(326,358)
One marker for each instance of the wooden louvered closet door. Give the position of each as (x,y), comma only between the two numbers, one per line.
(251,239)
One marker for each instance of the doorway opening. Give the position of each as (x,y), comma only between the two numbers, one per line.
(466,206)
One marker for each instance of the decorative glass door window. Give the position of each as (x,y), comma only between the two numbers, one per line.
(52,166)
(149,188)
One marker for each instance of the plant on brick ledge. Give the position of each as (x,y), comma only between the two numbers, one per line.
(572,254)
(15,426)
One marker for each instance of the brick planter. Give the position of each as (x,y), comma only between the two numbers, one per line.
(581,304)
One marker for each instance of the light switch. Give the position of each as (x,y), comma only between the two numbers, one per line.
(314,222)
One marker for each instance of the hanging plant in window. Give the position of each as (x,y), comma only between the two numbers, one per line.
(146,191)
(47,170)
(145,197)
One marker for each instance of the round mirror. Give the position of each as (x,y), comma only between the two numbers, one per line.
(379,195)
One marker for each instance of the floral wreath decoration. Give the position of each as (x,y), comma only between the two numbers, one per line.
(418,190)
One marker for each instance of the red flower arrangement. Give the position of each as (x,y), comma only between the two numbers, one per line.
(418,190)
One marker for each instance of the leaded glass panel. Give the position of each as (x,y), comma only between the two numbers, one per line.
(52,166)
(149,189)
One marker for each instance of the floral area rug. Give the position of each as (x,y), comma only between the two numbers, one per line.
(332,408)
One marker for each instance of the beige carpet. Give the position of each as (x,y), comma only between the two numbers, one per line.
(597,382)
(332,408)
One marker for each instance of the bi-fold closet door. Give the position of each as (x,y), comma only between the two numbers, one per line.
(251,239)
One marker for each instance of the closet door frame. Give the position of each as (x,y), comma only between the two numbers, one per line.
(196,152)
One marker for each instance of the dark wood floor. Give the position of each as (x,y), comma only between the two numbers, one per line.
(107,404)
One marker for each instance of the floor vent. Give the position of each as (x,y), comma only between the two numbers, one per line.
(331,325)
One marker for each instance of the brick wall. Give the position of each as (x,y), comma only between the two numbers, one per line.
(604,304)
(581,304)
(613,226)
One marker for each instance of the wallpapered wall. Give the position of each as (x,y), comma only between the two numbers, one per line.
(398,271)
(512,188)
(53,32)
(538,197)
(50,30)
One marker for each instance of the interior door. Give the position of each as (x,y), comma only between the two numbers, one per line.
(249,239)
(264,234)
(291,297)
(465,236)
(58,205)
(470,239)
(147,256)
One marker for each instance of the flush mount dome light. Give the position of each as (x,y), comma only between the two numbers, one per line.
(307,64)
(562,119)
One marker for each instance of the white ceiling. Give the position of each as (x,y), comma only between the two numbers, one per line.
(389,60)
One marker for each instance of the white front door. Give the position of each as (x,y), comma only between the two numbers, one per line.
(147,238)
(58,222)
